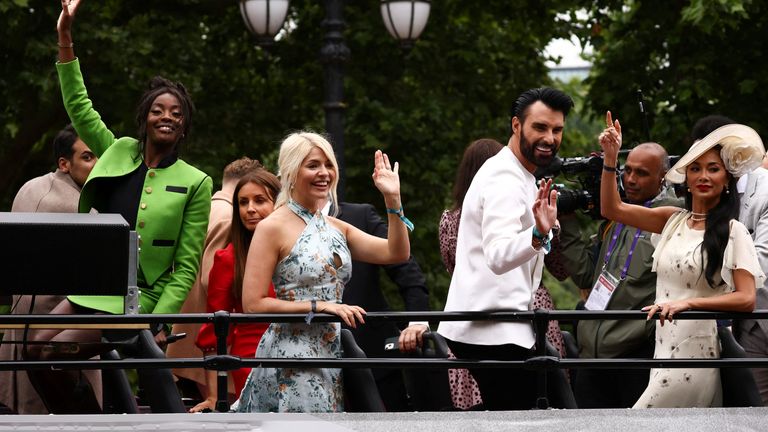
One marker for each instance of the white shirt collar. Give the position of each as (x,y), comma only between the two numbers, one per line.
(741,184)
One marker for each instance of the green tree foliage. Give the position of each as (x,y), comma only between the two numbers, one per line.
(422,107)
(690,58)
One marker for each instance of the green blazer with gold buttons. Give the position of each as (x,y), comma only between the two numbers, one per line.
(172,217)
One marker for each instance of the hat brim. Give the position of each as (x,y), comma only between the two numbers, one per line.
(746,135)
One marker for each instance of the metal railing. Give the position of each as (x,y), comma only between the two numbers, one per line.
(223,362)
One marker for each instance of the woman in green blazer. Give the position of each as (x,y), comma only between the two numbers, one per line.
(163,198)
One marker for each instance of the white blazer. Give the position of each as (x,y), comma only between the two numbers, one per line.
(496,266)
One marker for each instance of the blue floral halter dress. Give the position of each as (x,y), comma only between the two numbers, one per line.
(317,268)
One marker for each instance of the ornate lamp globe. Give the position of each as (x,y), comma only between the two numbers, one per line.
(405,19)
(264,18)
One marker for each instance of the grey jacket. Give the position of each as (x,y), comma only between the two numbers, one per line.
(754,215)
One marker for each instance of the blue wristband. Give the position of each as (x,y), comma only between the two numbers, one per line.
(399,213)
(540,236)
(544,239)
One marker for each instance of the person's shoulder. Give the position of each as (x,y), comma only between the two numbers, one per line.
(737,228)
(225,255)
(32,190)
(450,216)
(275,221)
(343,225)
(757,186)
(38,181)
(759,172)
(193,171)
(355,213)
(220,209)
(668,198)
(124,144)
(502,168)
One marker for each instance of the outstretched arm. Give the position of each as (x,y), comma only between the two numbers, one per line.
(86,121)
(611,206)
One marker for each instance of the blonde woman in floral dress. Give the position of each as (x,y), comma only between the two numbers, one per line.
(308,257)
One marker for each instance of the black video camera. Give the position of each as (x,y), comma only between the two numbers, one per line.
(587,170)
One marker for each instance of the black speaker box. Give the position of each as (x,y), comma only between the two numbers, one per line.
(63,254)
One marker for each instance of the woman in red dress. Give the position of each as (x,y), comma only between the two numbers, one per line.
(254,199)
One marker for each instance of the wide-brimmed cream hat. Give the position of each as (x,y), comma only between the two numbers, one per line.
(742,151)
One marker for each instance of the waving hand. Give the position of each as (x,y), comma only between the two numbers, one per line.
(67,16)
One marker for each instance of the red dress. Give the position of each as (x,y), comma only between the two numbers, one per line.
(243,338)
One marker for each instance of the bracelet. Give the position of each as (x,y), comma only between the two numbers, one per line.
(399,213)
(542,239)
(71,45)
(610,169)
(312,312)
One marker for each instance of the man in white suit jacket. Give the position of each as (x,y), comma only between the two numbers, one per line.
(753,213)
(500,248)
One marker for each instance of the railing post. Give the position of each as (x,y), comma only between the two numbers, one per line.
(540,325)
(221,329)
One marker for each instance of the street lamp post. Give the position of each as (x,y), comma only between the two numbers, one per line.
(333,55)
(404,19)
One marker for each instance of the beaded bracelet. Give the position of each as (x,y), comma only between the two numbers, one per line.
(71,45)
(399,213)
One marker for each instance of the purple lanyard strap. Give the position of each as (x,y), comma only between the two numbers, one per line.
(612,245)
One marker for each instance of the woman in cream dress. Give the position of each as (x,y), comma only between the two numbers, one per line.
(705,258)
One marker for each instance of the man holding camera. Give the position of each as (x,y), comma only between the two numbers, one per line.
(615,268)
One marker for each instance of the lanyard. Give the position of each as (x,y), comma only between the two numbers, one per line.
(612,245)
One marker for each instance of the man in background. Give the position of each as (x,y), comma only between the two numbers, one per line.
(59,191)
(364,290)
(55,192)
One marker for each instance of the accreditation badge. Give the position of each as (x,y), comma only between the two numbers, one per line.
(602,291)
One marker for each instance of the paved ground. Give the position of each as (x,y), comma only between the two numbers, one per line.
(666,420)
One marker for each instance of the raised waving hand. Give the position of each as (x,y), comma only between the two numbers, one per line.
(545,207)
(64,29)
(385,176)
(67,16)
(610,139)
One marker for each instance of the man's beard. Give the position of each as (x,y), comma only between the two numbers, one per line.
(529,151)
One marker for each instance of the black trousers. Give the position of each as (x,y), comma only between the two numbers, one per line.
(501,389)
(612,388)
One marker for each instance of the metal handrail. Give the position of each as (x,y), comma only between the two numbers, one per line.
(533,363)
(377,317)
(224,362)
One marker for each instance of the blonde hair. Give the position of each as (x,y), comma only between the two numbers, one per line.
(293,151)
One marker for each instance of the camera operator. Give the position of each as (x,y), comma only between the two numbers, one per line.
(615,267)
